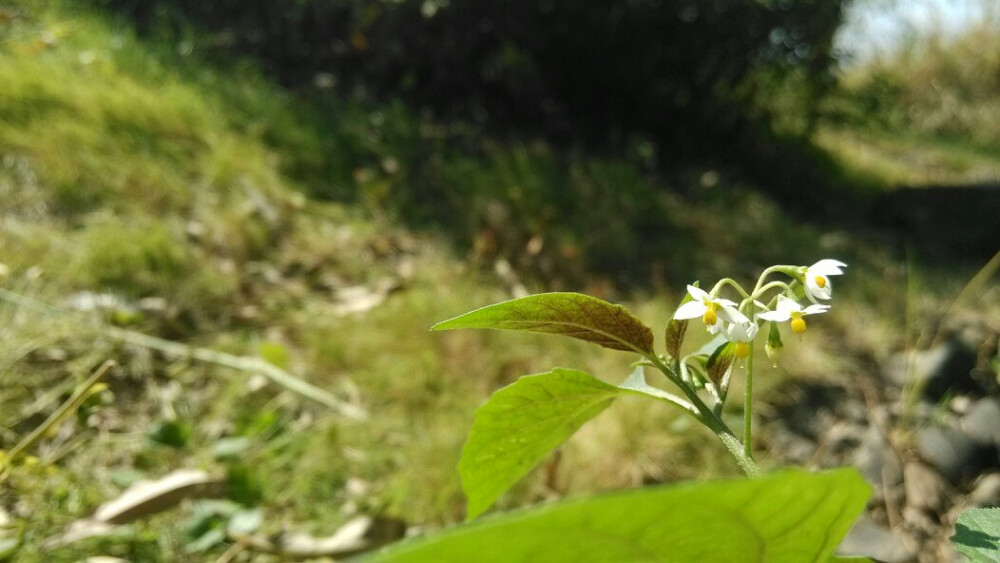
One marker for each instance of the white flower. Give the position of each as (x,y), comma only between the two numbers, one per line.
(817,278)
(711,310)
(741,331)
(788,309)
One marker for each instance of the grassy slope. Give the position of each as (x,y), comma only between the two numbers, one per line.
(928,114)
(137,172)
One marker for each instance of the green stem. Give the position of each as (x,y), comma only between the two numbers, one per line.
(767,272)
(748,409)
(731,283)
(713,421)
(770,285)
(79,396)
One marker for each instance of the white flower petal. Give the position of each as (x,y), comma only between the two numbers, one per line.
(697,293)
(775,316)
(725,303)
(815,309)
(814,291)
(741,332)
(787,306)
(733,315)
(690,310)
(714,329)
(827,267)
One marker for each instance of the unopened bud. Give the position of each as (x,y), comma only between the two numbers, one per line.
(773,345)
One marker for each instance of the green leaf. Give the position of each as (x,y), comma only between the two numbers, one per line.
(720,362)
(674,337)
(791,516)
(977,534)
(521,424)
(711,346)
(570,314)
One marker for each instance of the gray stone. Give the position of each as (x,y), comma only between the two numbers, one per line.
(982,421)
(953,453)
(924,487)
(942,368)
(876,460)
(987,491)
(868,539)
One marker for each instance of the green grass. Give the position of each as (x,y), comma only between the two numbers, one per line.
(891,159)
(927,113)
(198,195)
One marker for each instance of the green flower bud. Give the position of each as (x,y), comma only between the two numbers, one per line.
(773,345)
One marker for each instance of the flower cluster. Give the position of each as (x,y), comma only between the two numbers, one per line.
(740,323)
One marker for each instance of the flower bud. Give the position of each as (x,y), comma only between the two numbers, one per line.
(773,345)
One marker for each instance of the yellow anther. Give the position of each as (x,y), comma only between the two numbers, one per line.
(820,282)
(710,317)
(742,350)
(798,323)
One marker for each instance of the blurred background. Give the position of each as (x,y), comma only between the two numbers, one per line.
(197,189)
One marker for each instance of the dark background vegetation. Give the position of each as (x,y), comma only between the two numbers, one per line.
(685,73)
(675,87)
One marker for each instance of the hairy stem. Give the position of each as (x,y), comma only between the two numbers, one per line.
(748,409)
(709,418)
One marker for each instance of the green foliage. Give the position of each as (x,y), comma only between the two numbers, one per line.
(790,516)
(676,70)
(720,361)
(523,422)
(977,534)
(569,314)
(143,259)
(941,86)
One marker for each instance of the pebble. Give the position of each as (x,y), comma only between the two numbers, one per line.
(987,491)
(869,539)
(924,487)
(942,368)
(876,460)
(953,453)
(982,421)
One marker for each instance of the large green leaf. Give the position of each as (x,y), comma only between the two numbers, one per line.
(792,516)
(570,314)
(523,422)
(977,534)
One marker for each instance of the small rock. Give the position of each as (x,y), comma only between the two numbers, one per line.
(153,304)
(924,487)
(953,453)
(960,404)
(982,421)
(869,539)
(919,522)
(843,438)
(876,460)
(944,367)
(987,491)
